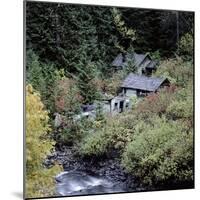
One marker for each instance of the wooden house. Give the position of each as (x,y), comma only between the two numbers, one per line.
(115,104)
(139,85)
(143,62)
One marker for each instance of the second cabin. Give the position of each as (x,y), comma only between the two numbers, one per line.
(143,62)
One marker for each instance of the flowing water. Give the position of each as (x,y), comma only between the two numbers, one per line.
(81,183)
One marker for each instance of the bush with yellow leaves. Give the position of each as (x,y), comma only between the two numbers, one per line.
(39,180)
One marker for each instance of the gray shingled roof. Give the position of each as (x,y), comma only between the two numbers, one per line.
(140,60)
(118,61)
(135,81)
(152,64)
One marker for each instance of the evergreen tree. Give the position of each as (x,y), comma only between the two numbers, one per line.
(42,77)
(57,32)
(86,81)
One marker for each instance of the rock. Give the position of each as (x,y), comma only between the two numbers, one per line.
(108,168)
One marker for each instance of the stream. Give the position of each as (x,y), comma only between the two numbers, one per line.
(90,176)
(97,175)
(80,183)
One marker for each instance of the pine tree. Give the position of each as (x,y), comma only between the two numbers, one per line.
(42,77)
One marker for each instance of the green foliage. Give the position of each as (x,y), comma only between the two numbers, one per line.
(126,33)
(160,152)
(93,145)
(99,112)
(182,107)
(86,81)
(186,46)
(113,135)
(39,180)
(102,30)
(156,55)
(134,102)
(71,32)
(34,73)
(155,137)
(130,67)
(69,133)
(176,70)
(73,130)
(159,29)
(114,82)
(42,77)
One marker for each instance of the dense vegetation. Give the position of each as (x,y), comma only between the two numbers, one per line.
(155,139)
(69,53)
(38,144)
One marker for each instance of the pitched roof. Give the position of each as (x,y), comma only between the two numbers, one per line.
(118,61)
(140,60)
(145,83)
(152,64)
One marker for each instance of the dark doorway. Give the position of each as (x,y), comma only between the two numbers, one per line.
(121,106)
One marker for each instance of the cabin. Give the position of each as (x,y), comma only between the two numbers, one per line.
(134,85)
(145,65)
(120,104)
(114,104)
(140,85)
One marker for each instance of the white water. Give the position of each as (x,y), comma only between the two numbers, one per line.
(77,183)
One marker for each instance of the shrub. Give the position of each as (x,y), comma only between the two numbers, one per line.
(67,96)
(93,145)
(69,133)
(114,135)
(156,103)
(186,47)
(155,138)
(182,107)
(113,83)
(67,103)
(159,153)
(178,71)
(156,55)
(39,180)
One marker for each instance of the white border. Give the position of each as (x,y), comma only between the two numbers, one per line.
(11,99)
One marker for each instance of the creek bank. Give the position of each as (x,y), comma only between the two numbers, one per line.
(96,175)
(103,168)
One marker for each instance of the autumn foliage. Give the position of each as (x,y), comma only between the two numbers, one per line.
(157,102)
(39,180)
(67,95)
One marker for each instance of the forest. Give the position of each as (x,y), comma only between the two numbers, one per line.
(69,54)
